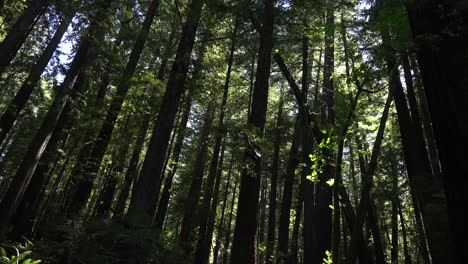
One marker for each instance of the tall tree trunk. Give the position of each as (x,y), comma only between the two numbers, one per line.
(193,196)
(425,115)
(25,172)
(244,248)
(229,223)
(405,239)
(293,256)
(262,221)
(428,190)
(166,193)
(336,232)
(90,166)
(28,208)
(106,195)
(221,221)
(149,181)
(395,204)
(132,172)
(367,172)
(444,70)
(271,236)
(20,31)
(214,204)
(283,229)
(321,219)
(14,108)
(378,242)
(203,248)
(285,213)
(353,175)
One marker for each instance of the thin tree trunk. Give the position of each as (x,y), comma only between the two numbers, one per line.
(425,115)
(293,161)
(20,31)
(132,172)
(221,221)
(405,239)
(203,248)
(293,256)
(244,248)
(283,230)
(228,230)
(14,108)
(28,208)
(214,204)
(372,220)
(357,237)
(25,172)
(262,215)
(90,166)
(336,232)
(166,193)
(271,236)
(193,196)
(395,204)
(353,176)
(106,195)
(320,220)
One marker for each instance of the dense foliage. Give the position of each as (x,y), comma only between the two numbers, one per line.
(213,131)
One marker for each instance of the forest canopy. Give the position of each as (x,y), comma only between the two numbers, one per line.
(242,132)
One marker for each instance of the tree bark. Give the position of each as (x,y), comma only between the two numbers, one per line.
(228,230)
(106,195)
(285,213)
(203,248)
(20,31)
(244,248)
(428,190)
(166,193)
(271,235)
(425,115)
(193,196)
(14,108)
(444,70)
(25,172)
(405,239)
(395,204)
(221,221)
(321,218)
(368,174)
(90,166)
(149,181)
(28,209)
(293,256)
(378,242)
(214,204)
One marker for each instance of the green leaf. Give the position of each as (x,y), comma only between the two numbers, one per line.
(331,182)
(312,177)
(24,254)
(4,260)
(2,252)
